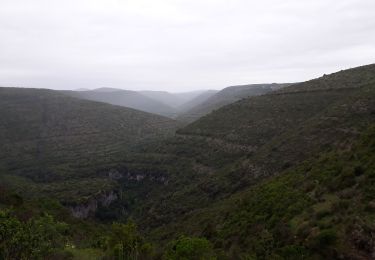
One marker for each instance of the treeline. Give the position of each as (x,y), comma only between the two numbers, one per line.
(43,237)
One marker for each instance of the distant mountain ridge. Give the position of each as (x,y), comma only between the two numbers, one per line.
(125,98)
(175,100)
(186,106)
(288,174)
(157,102)
(226,96)
(196,101)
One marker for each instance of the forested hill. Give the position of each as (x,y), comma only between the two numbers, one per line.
(224,97)
(56,143)
(231,152)
(285,175)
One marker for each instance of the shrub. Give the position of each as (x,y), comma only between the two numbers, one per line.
(189,248)
(125,242)
(34,239)
(325,239)
(293,252)
(358,170)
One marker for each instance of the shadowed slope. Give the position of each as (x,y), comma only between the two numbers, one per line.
(49,137)
(253,139)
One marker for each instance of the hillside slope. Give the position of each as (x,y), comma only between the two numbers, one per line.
(180,101)
(197,101)
(225,97)
(125,98)
(246,143)
(284,175)
(56,144)
(322,208)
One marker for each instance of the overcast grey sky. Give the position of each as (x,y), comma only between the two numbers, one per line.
(180,45)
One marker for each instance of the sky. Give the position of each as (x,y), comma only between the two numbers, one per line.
(180,45)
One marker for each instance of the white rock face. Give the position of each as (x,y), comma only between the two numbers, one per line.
(87,209)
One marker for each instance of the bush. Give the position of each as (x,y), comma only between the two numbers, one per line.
(34,239)
(125,242)
(325,239)
(189,248)
(293,252)
(323,213)
(358,170)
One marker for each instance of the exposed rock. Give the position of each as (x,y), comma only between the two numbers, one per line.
(114,175)
(87,209)
(108,198)
(84,210)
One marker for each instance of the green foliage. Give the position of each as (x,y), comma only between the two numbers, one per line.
(82,254)
(293,252)
(189,248)
(56,145)
(125,242)
(279,176)
(34,239)
(324,239)
(9,198)
(300,214)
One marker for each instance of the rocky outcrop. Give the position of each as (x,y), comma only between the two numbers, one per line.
(84,210)
(135,175)
(114,175)
(87,209)
(104,199)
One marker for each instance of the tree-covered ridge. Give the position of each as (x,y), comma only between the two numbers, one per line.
(28,230)
(256,119)
(224,97)
(321,209)
(286,175)
(350,78)
(57,144)
(202,169)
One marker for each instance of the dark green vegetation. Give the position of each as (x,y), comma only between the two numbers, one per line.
(57,145)
(29,231)
(286,175)
(321,209)
(31,239)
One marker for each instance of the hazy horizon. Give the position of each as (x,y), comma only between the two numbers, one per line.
(180,46)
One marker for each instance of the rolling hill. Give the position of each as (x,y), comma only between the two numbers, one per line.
(55,144)
(190,95)
(156,102)
(224,97)
(286,174)
(164,97)
(125,98)
(180,101)
(248,153)
(196,101)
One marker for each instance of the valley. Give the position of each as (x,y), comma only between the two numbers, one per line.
(265,171)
